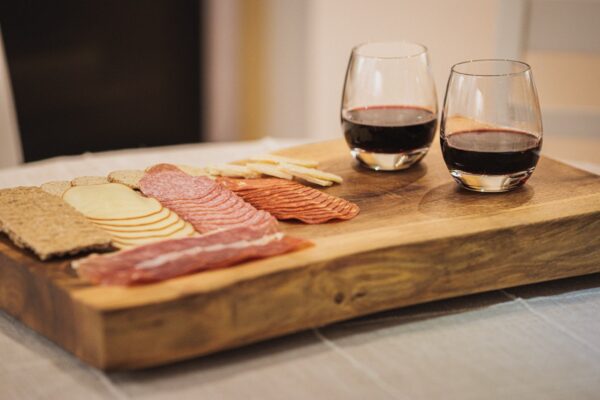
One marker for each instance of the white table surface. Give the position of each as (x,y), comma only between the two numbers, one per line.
(535,342)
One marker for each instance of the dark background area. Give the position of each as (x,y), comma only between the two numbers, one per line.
(103,75)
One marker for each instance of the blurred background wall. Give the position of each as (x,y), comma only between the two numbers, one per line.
(245,69)
(291,67)
(103,75)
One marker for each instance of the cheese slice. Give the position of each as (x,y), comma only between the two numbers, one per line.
(111,201)
(168,231)
(135,222)
(187,231)
(163,223)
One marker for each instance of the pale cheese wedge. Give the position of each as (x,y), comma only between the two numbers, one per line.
(135,222)
(297,170)
(273,159)
(269,169)
(153,227)
(111,201)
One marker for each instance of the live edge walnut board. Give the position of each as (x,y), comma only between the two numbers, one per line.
(418,238)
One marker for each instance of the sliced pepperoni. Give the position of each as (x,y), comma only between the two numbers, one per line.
(290,200)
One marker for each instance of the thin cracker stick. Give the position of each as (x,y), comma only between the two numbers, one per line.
(273,159)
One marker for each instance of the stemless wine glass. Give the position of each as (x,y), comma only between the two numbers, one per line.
(389,105)
(491,131)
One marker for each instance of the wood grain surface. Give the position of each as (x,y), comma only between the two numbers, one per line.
(418,238)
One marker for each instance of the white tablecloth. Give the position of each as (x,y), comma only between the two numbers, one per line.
(535,342)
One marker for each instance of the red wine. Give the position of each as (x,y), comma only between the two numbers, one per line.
(389,129)
(491,152)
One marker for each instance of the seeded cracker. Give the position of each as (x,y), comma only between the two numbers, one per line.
(57,188)
(89,180)
(127,177)
(46,224)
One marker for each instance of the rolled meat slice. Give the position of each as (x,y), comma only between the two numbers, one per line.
(171,258)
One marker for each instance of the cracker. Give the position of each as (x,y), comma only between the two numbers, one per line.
(127,177)
(232,171)
(56,188)
(269,169)
(273,159)
(312,179)
(89,180)
(47,225)
(300,171)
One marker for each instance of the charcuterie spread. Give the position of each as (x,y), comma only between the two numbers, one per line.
(171,220)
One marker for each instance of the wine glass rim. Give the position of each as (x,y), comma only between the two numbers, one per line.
(422,49)
(525,67)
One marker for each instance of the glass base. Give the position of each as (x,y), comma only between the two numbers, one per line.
(490,183)
(388,161)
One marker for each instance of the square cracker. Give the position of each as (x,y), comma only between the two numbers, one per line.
(57,188)
(47,225)
(89,180)
(127,177)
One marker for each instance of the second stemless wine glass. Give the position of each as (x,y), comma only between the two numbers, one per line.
(389,105)
(491,131)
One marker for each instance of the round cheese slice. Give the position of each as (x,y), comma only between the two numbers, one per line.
(187,231)
(110,201)
(135,222)
(170,220)
(168,231)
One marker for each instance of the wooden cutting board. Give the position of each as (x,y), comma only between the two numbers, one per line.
(418,238)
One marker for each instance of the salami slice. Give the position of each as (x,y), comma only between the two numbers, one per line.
(286,199)
(201,201)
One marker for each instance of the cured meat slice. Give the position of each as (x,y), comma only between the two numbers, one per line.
(171,176)
(168,259)
(201,201)
(291,200)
